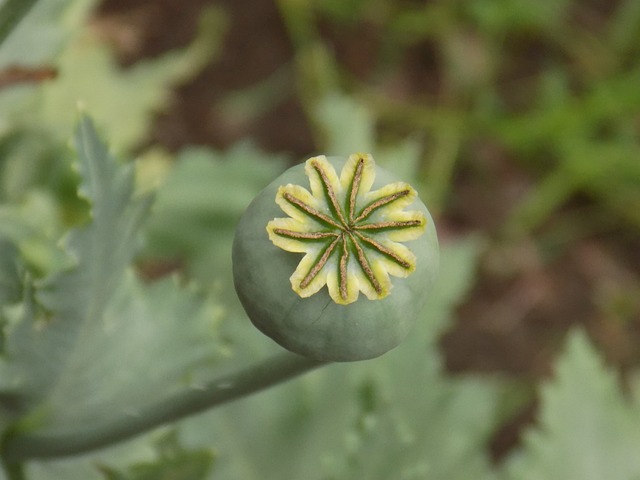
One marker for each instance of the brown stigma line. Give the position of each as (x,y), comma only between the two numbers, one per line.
(385,251)
(344,259)
(310,210)
(381,202)
(319,264)
(303,235)
(388,225)
(355,186)
(366,268)
(329,192)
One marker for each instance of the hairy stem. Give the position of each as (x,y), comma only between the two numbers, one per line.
(11,13)
(19,447)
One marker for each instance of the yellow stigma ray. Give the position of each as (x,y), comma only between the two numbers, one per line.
(348,232)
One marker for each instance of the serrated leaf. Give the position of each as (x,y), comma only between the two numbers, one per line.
(101,251)
(102,344)
(587,429)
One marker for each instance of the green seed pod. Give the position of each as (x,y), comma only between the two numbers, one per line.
(340,271)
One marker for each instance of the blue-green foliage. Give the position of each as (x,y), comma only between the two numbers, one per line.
(84,340)
(92,331)
(588,430)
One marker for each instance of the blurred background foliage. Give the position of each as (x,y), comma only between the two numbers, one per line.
(518,121)
(522,118)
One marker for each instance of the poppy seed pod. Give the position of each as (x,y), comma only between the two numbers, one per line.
(335,259)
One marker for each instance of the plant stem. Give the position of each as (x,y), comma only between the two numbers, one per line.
(268,373)
(10,15)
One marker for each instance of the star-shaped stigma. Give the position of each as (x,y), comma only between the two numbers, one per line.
(350,235)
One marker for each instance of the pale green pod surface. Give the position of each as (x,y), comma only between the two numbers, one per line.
(361,298)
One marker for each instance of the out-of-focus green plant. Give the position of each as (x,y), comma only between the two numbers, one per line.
(91,354)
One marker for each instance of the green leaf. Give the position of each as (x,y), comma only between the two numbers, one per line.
(172,462)
(98,345)
(101,251)
(587,429)
(347,126)
(124,100)
(30,227)
(35,43)
(200,203)
(41,33)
